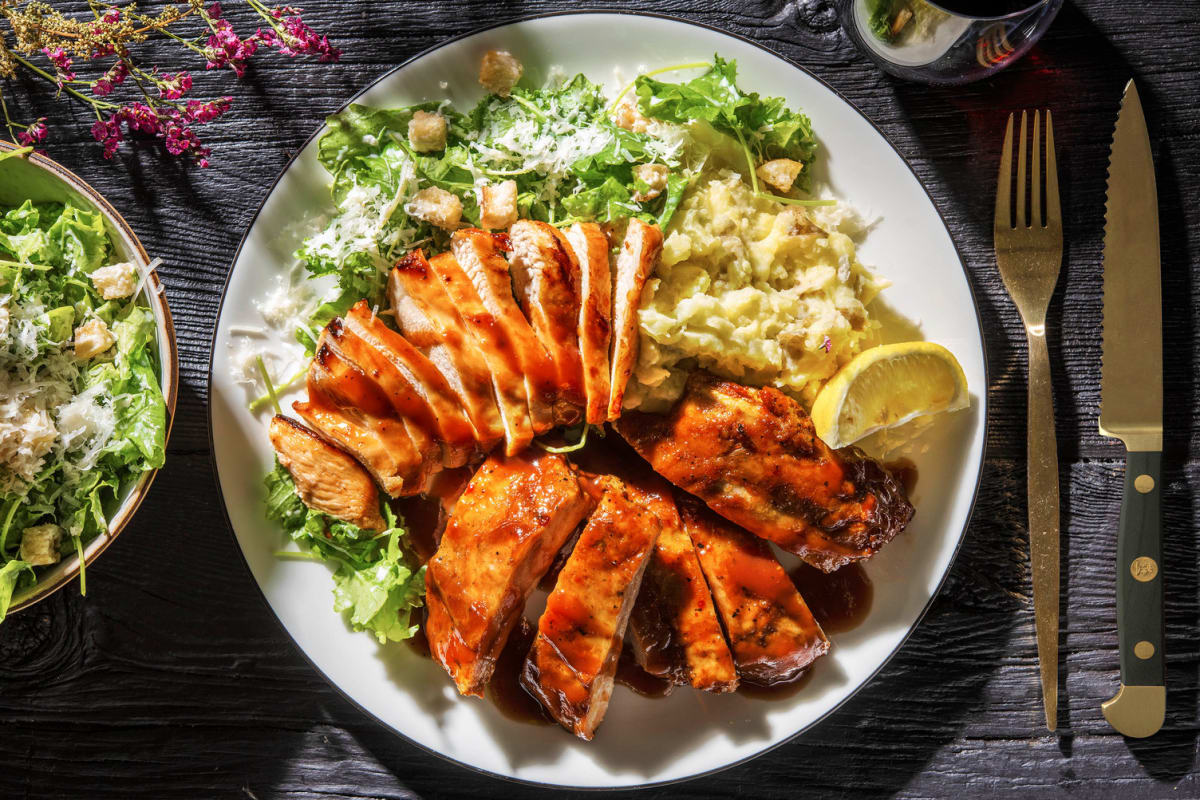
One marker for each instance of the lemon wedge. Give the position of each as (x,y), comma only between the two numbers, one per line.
(886,386)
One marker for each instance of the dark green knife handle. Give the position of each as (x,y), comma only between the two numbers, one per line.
(1140,572)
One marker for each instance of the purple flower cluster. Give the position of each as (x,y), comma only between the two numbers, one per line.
(225,48)
(34,134)
(173,87)
(116,75)
(172,125)
(62,64)
(296,38)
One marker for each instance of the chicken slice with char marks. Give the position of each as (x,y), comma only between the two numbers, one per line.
(417,390)
(570,667)
(429,320)
(356,397)
(505,530)
(481,255)
(772,634)
(545,279)
(639,253)
(327,479)
(675,631)
(590,244)
(752,455)
(494,344)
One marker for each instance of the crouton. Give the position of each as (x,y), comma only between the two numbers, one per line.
(630,117)
(39,544)
(780,173)
(437,207)
(499,72)
(427,131)
(115,281)
(655,178)
(92,338)
(497,205)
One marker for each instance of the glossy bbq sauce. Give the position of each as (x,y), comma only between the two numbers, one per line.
(505,690)
(839,600)
(906,472)
(631,675)
(778,691)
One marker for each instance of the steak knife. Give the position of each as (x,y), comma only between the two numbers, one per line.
(1131,410)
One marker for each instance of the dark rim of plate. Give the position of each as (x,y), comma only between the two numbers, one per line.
(966,276)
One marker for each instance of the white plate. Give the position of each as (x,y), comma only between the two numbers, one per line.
(642,741)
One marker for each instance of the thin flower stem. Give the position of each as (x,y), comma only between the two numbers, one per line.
(35,68)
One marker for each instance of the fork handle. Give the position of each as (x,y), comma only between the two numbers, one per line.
(1042,494)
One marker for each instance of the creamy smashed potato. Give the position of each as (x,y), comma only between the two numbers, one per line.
(753,290)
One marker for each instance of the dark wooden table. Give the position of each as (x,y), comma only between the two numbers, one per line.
(171,679)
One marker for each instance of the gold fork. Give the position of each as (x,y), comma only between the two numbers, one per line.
(1029,254)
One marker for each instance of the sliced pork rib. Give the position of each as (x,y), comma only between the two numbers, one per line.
(752,455)
(590,244)
(772,634)
(506,527)
(570,667)
(639,253)
(545,280)
(675,631)
(481,256)
(428,319)
(327,479)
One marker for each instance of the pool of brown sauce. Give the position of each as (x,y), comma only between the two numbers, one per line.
(840,601)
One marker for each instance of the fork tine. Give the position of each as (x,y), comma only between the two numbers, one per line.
(1021,184)
(1035,188)
(1053,211)
(1004,184)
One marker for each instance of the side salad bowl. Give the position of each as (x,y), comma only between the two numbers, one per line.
(31,176)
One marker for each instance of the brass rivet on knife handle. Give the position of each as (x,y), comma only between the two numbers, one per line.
(1143,650)
(1143,568)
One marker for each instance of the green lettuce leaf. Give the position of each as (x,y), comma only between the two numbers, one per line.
(10,574)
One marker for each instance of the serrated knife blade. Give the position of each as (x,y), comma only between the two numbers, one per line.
(1131,392)
(1131,370)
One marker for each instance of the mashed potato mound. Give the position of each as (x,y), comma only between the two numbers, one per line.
(755,291)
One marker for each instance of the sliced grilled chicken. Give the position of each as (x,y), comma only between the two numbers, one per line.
(545,278)
(327,479)
(675,631)
(635,262)
(494,344)
(772,634)
(505,530)
(418,391)
(752,455)
(386,451)
(590,244)
(482,259)
(351,392)
(570,667)
(429,321)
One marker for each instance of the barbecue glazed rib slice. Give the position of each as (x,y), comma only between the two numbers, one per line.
(481,257)
(506,528)
(635,262)
(545,278)
(570,667)
(401,456)
(752,455)
(772,634)
(493,343)
(428,320)
(675,631)
(418,393)
(590,244)
(326,478)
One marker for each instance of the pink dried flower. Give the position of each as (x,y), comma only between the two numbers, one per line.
(34,134)
(214,11)
(297,38)
(116,75)
(173,87)
(226,49)
(201,113)
(62,64)
(827,344)
(108,133)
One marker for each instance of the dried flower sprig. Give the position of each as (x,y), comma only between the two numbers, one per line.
(89,59)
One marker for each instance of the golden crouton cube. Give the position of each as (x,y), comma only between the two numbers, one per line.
(92,338)
(780,173)
(115,281)
(630,117)
(499,72)
(437,207)
(654,176)
(427,131)
(498,205)
(39,544)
